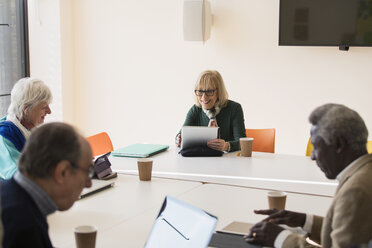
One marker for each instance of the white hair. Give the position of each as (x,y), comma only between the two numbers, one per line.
(338,121)
(26,94)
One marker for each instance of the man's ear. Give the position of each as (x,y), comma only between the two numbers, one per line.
(61,171)
(340,145)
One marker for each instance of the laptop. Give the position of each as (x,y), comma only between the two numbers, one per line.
(197,136)
(139,150)
(97,186)
(181,225)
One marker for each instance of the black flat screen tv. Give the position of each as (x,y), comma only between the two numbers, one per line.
(325,23)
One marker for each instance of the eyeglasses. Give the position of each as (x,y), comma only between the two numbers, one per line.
(207,92)
(89,171)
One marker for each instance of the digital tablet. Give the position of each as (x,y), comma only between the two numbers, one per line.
(197,136)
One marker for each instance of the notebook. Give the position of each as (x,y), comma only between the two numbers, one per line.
(97,186)
(237,227)
(181,225)
(197,136)
(231,236)
(139,150)
(243,228)
(227,240)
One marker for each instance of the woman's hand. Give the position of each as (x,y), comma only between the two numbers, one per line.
(178,140)
(288,218)
(218,144)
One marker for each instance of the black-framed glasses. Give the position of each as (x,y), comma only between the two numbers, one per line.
(207,92)
(89,171)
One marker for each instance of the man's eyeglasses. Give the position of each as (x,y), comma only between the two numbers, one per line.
(207,92)
(89,171)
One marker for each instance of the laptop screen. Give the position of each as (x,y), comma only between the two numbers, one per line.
(181,225)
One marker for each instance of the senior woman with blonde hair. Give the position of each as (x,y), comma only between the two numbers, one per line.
(30,99)
(214,109)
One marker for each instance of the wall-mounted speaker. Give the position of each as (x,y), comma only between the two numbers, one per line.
(197,20)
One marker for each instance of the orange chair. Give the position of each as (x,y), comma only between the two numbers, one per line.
(100,143)
(264,139)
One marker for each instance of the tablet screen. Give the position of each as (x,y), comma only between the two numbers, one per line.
(197,136)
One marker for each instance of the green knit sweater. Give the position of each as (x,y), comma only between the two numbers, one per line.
(230,120)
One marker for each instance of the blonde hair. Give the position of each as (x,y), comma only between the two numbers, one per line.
(212,80)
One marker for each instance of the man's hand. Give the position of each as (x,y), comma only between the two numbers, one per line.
(263,233)
(288,218)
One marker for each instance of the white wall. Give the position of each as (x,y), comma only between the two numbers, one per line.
(134,75)
(52,53)
(67,60)
(45,49)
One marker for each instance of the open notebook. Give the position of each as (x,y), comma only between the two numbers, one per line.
(181,225)
(139,150)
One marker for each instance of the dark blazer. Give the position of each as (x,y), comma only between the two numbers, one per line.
(24,225)
(349,218)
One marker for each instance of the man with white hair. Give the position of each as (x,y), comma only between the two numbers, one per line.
(339,136)
(30,99)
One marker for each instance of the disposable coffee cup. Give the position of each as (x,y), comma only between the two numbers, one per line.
(144,169)
(277,199)
(246,145)
(85,236)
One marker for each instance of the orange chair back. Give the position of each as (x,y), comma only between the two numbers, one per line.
(264,139)
(100,143)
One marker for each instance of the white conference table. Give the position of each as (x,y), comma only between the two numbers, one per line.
(128,199)
(125,214)
(231,203)
(263,171)
(228,203)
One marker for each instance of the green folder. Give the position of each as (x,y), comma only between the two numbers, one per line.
(139,150)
